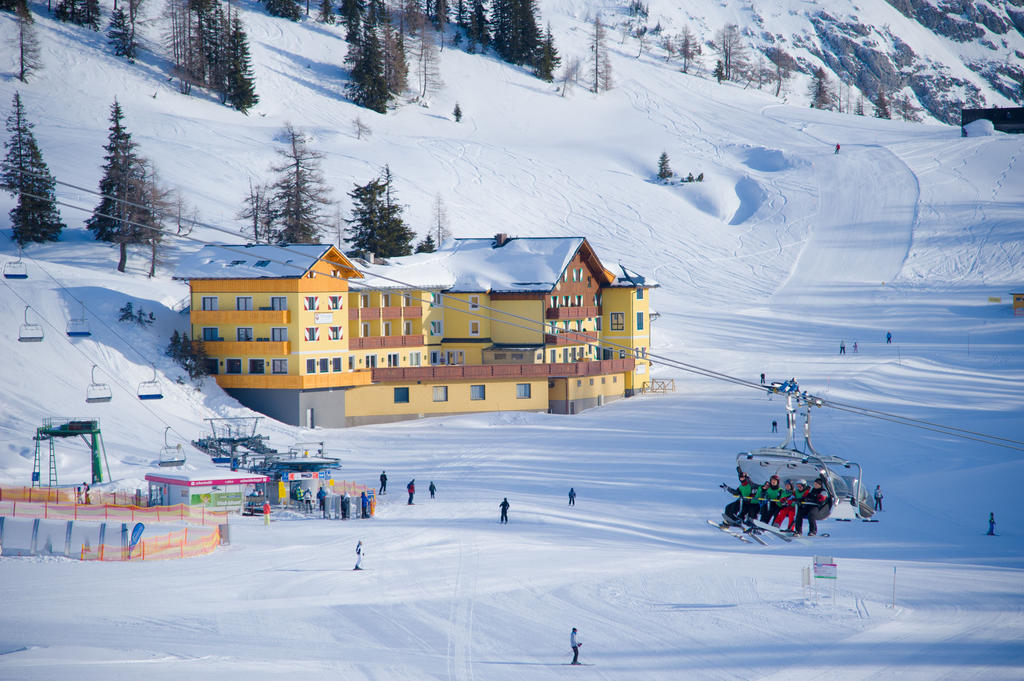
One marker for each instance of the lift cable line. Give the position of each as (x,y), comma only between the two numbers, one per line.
(533,325)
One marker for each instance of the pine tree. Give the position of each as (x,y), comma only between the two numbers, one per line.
(376,225)
(516,36)
(288,9)
(882,105)
(26,42)
(719,71)
(822,96)
(457,113)
(478,31)
(113,218)
(241,83)
(352,16)
(91,14)
(427,245)
(299,197)
(326,12)
(664,170)
(120,36)
(368,87)
(25,175)
(548,60)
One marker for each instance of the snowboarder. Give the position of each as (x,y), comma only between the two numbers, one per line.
(842,347)
(432,489)
(888,336)
(266,513)
(359,555)
(775,426)
(575,643)
(383,482)
(837,147)
(991,524)
(504,511)
(572,496)
(878,497)
(411,489)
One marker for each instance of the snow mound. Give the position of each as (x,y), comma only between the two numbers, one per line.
(732,204)
(980,128)
(767,160)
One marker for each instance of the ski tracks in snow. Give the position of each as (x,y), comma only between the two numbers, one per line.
(460,630)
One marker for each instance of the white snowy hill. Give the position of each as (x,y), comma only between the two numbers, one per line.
(784,250)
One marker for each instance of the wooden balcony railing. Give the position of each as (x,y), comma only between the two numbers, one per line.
(482,371)
(379,342)
(261,348)
(212,317)
(569,338)
(581,312)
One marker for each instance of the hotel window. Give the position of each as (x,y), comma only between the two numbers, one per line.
(522,391)
(554,301)
(243,303)
(435,357)
(597,323)
(552,357)
(232,366)
(386,330)
(440,393)
(325,364)
(335,302)
(622,354)
(401,396)
(436,328)
(415,358)
(364,300)
(371,361)
(210,333)
(312,333)
(639,294)
(257,366)
(279,366)
(618,320)
(310,303)
(310,366)
(474,302)
(279,334)
(334,333)
(351,362)
(364,329)
(278,303)
(336,364)
(477,392)
(407,328)
(639,321)
(244,333)
(393,359)
(474,328)
(385,300)
(435,299)
(407,300)
(209,303)
(579,301)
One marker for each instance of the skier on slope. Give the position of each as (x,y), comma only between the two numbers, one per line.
(837,147)
(575,643)
(411,489)
(504,511)
(359,555)
(383,482)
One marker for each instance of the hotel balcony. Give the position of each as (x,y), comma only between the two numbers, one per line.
(379,342)
(569,338)
(223,348)
(581,312)
(212,317)
(341,379)
(481,371)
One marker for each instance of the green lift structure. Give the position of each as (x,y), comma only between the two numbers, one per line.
(56,428)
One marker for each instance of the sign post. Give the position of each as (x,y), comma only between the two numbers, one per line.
(825,568)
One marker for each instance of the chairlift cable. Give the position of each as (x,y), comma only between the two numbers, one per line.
(533,325)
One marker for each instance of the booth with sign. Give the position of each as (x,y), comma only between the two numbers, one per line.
(223,491)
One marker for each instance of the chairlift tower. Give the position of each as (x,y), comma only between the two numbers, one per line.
(55,428)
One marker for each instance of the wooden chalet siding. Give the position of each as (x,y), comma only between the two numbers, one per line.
(498,371)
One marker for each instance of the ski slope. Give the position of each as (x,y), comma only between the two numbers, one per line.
(783,251)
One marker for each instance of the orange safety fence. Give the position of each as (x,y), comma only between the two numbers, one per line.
(70,495)
(71,511)
(177,544)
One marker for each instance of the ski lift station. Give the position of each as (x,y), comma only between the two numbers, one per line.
(221,490)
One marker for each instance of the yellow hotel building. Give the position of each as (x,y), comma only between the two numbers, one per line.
(305,335)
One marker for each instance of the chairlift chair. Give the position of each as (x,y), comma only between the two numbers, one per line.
(150,390)
(16,269)
(97,392)
(171,455)
(78,328)
(30,333)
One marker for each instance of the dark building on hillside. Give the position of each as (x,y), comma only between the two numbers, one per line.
(1004,120)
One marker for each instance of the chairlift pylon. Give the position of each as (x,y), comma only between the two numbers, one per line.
(78,328)
(30,333)
(171,456)
(16,269)
(150,390)
(97,392)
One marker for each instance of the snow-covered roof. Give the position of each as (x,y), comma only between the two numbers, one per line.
(253,261)
(631,278)
(463,265)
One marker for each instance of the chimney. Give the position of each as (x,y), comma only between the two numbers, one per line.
(500,239)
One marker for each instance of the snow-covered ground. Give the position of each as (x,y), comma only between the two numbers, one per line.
(783,251)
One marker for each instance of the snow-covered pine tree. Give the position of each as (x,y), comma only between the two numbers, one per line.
(664,169)
(325,13)
(367,85)
(478,29)
(548,60)
(120,37)
(287,9)
(241,82)
(427,245)
(376,224)
(719,71)
(351,12)
(299,197)
(24,174)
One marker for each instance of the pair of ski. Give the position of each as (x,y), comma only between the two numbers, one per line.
(747,536)
(753,531)
(779,532)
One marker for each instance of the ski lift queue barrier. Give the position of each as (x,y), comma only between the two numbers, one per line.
(70,496)
(54,510)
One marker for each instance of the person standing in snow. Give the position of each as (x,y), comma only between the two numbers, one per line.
(888,336)
(842,347)
(837,147)
(432,489)
(411,489)
(307,497)
(855,347)
(775,426)
(321,497)
(266,513)
(991,524)
(504,511)
(572,496)
(359,555)
(364,504)
(383,482)
(762,378)
(878,497)
(575,643)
